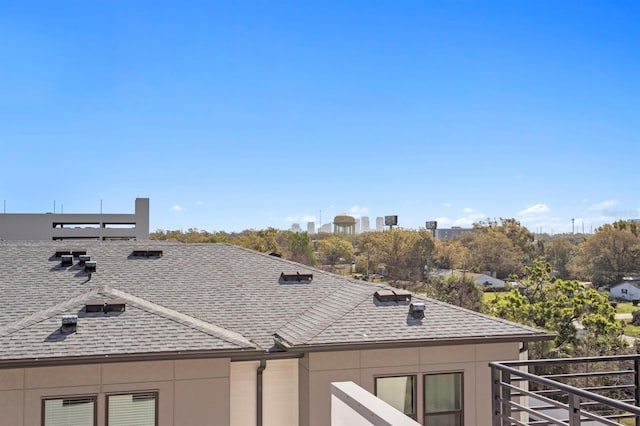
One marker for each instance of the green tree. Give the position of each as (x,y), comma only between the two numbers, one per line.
(581,317)
(559,252)
(264,241)
(456,290)
(451,254)
(301,248)
(404,253)
(610,254)
(492,251)
(334,248)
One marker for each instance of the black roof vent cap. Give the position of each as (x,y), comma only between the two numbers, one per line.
(90,266)
(83,259)
(146,253)
(416,310)
(296,277)
(66,260)
(395,295)
(69,324)
(107,305)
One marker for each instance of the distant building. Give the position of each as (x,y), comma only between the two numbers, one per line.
(379,224)
(448,233)
(325,228)
(311,228)
(358,226)
(628,289)
(364,224)
(344,224)
(296,227)
(76,226)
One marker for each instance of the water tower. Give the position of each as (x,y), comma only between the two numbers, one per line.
(344,224)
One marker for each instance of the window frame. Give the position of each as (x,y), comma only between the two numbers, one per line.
(460,412)
(414,390)
(155,393)
(93,397)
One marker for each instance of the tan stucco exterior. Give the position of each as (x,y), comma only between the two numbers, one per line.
(318,370)
(218,391)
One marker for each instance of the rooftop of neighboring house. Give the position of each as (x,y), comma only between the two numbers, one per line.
(163,299)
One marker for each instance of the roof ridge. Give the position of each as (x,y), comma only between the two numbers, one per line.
(47,313)
(184,319)
(329,318)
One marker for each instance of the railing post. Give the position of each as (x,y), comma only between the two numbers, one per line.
(574,410)
(495,396)
(636,382)
(506,399)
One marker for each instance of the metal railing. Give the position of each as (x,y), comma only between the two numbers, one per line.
(567,392)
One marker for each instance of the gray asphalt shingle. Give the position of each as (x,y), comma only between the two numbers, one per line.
(201,297)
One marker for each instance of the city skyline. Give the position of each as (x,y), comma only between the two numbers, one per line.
(246,116)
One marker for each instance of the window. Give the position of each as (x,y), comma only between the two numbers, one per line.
(76,411)
(399,392)
(139,409)
(623,291)
(443,399)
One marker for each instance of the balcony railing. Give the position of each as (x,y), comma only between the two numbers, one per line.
(570,392)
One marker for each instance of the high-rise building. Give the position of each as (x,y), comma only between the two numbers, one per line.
(358,224)
(364,224)
(379,224)
(296,227)
(326,228)
(311,228)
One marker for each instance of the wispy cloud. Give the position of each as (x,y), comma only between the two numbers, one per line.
(535,209)
(358,211)
(300,218)
(603,205)
(468,220)
(177,209)
(468,210)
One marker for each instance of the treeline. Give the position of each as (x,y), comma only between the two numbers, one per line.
(502,248)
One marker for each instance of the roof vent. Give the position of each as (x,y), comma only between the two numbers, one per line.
(395,295)
(416,310)
(61,252)
(83,259)
(67,260)
(78,253)
(147,253)
(296,277)
(90,266)
(110,305)
(69,324)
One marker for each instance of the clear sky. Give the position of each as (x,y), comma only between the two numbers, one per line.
(236,115)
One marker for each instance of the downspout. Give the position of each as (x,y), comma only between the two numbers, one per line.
(261,368)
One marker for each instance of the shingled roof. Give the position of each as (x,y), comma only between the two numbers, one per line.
(205,298)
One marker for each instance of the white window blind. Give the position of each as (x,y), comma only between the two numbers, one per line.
(69,411)
(132,410)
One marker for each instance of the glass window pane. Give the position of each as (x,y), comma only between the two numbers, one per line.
(69,412)
(132,410)
(442,392)
(443,420)
(397,392)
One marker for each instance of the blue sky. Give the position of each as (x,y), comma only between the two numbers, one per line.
(237,115)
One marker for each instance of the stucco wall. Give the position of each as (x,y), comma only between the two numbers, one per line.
(190,392)
(362,367)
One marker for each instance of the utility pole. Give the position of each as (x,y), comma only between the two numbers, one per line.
(573,228)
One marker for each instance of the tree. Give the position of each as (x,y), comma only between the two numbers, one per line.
(451,254)
(610,254)
(335,248)
(404,253)
(581,317)
(559,252)
(456,290)
(301,248)
(264,241)
(492,251)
